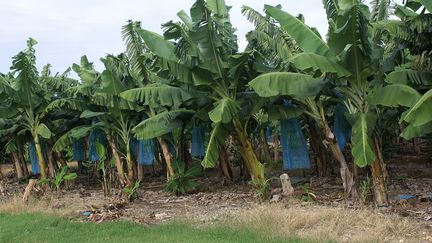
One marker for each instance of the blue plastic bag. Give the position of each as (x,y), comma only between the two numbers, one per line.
(78,149)
(341,127)
(198,138)
(294,150)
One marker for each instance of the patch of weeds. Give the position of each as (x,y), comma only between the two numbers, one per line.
(307,194)
(59,179)
(181,182)
(401,178)
(262,187)
(131,190)
(365,190)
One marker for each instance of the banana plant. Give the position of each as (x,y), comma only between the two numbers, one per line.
(199,59)
(348,63)
(277,47)
(116,116)
(24,99)
(409,85)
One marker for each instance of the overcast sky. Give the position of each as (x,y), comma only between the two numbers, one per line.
(66,30)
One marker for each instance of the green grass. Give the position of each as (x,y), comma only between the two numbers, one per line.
(46,228)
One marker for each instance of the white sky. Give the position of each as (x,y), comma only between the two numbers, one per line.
(66,30)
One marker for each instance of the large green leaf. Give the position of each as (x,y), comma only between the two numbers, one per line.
(111,84)
(285,83)
(157,95)
(405,76)
(66,139)
(158,45)
(91,114)
(72,104)
(217,7)
(217,138)
(225,110)
(209,44)
(420,113)
(361,148)
(82,131)
(395,95)
(6,88)
(324,64)
(305,37)
(350,37)
(426,3)
(412,132)
(160,124)
(44,131)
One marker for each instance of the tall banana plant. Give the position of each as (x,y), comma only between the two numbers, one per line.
(348,63)
(198,58)
(277,47)
(24,99)
(116,116)
(409,85)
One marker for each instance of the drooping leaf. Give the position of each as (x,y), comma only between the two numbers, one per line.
(225,110)
(157,95)
(285,83)
(217,7)
(158,45)
(406,76)
(66,139)
(395,95)
(160,124)
(361,148)
(412,132)
(101,151)
(91,114)
(72,104)
(111,84)
(70,176)
(44,131)
(217,138)
(305,37)
(324,64)
(420,113)
(426,3)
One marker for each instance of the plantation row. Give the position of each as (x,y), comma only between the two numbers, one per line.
(191,94)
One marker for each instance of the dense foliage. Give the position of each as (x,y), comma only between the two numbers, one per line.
(371,73)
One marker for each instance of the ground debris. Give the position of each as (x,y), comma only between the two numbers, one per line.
(107,212)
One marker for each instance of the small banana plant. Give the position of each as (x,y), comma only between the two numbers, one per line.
(59,179)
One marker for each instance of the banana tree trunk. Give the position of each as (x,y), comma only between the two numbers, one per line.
(317,146)
(346,175)
(253,165)
(224,164)
(118,163)
(2,183)
(276,154)
(167,156)
(130,164)
(266,150)
(53,167)
(61,160)
(41,159)
(378,177)
(23,162)
(140,172)
(106,181)
(18,168)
